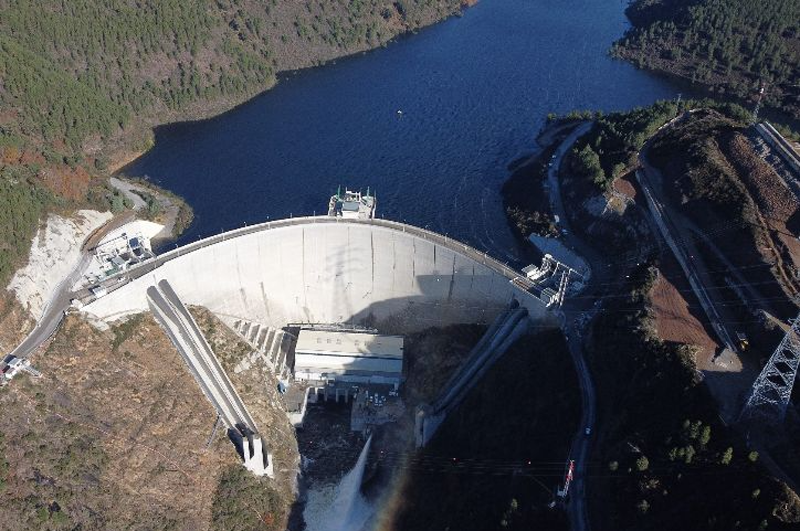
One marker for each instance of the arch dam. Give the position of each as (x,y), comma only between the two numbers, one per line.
(330,270)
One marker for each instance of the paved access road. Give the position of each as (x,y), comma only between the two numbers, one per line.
(129,191)
(53,312)
(582,443)
(579,314)
(556,200)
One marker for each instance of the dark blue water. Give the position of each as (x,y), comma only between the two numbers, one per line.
(474,91)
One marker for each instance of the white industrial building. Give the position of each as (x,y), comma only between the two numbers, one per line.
(129,237)
(322,355)
(121,248)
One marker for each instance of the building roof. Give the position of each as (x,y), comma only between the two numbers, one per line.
(555,248)
(341,365)
(349,343)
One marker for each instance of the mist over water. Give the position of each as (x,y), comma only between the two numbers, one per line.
(474,90)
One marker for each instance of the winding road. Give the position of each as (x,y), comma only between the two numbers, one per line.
(53,312)
(580,449)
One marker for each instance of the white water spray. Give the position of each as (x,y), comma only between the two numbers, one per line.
(340,507)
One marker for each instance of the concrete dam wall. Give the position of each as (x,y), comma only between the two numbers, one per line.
(329,270)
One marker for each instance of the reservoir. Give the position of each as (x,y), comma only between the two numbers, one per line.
(473,91)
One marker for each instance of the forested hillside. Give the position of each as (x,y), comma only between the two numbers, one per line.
(83,81)
(663,444)
(731,47)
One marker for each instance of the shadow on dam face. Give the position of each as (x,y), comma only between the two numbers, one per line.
(414,313)
(397,278)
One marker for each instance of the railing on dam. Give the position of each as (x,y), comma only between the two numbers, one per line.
(444,241)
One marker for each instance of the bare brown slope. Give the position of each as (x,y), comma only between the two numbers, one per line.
(734,207)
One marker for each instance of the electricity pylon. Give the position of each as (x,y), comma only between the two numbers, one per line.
(772,390)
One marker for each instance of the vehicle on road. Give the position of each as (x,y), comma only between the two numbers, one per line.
(588,431)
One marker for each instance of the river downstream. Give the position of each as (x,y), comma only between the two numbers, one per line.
(472,91)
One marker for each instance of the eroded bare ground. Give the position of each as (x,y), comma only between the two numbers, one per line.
(15,322)
(678,316)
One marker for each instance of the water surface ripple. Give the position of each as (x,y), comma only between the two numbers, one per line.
(474,90)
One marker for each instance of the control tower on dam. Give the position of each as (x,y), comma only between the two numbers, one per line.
(331,270)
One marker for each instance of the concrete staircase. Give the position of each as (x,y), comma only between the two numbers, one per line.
(273,346)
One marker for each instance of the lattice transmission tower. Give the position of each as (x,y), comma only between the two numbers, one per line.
(772,390)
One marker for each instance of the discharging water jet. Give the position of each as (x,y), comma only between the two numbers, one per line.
(340,507)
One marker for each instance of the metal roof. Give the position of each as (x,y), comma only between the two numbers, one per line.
(349,343)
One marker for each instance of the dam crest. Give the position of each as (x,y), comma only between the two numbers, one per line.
(331,270)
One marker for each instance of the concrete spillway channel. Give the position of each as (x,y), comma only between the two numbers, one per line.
(182,329)
(506,329)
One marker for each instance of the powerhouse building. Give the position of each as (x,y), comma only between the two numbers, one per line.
(355,357)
